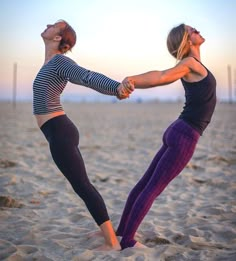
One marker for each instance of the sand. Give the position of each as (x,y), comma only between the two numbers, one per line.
(41,218)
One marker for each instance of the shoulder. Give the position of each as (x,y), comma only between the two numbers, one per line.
(188,61)
(197,71)
(64,59)
(184,66)
(193,64)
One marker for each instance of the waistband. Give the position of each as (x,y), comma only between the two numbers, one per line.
(53,121)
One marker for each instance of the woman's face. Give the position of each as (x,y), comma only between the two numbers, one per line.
(53,30)
(194,35)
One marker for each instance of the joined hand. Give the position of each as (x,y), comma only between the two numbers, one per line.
(125,89)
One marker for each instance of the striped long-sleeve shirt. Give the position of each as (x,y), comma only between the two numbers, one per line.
(53,77)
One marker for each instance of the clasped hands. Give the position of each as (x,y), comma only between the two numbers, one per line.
(125,89)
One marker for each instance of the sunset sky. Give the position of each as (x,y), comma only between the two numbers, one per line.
(117,38)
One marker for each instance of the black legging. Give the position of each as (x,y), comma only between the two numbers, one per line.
(63,138)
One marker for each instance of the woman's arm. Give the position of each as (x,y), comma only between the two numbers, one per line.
(76,74)
(158,78)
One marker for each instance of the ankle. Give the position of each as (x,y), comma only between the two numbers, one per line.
(125,243)
(113,243)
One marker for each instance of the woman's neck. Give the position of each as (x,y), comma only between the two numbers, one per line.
(49,54)
(195,52)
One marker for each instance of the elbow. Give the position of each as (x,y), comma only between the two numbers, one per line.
(158,79)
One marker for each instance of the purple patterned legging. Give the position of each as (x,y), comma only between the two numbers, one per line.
(179,142)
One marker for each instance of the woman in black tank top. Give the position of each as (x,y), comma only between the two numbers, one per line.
(180,138)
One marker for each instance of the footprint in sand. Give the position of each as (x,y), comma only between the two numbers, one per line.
(194,166)
(219,159)
(8,202)
(7,163)
(199,181)
(27,249)
(152,242)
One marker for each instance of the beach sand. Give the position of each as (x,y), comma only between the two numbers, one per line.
(41,218)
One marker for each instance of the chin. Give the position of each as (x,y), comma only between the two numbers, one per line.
(202,40)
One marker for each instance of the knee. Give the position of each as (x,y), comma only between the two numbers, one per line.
(82,189)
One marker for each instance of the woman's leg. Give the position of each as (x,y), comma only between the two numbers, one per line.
(180,150)
(64,149)
(76,175)
(136,191)
(70,162)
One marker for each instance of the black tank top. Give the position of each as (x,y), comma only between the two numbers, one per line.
(200,101)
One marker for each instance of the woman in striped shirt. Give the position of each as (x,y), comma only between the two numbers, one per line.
(61,134)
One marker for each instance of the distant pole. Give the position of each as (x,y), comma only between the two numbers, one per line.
(230,83)
(14,84)
(235,84)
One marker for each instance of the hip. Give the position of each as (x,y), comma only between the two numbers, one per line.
(61,130)
(43,118)
(182,129)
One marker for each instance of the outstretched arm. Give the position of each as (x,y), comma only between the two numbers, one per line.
(76,74)
(158,78)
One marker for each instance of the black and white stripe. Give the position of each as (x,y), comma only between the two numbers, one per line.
(53,77)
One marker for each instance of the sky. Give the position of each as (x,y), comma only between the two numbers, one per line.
(117,38)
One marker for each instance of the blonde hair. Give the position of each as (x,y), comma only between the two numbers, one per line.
(177,42)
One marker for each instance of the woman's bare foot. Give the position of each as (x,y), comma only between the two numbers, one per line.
(139,245)
(108,248)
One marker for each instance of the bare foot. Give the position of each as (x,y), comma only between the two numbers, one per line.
(95,234)
(137,234)
(139,245)
(108,248)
